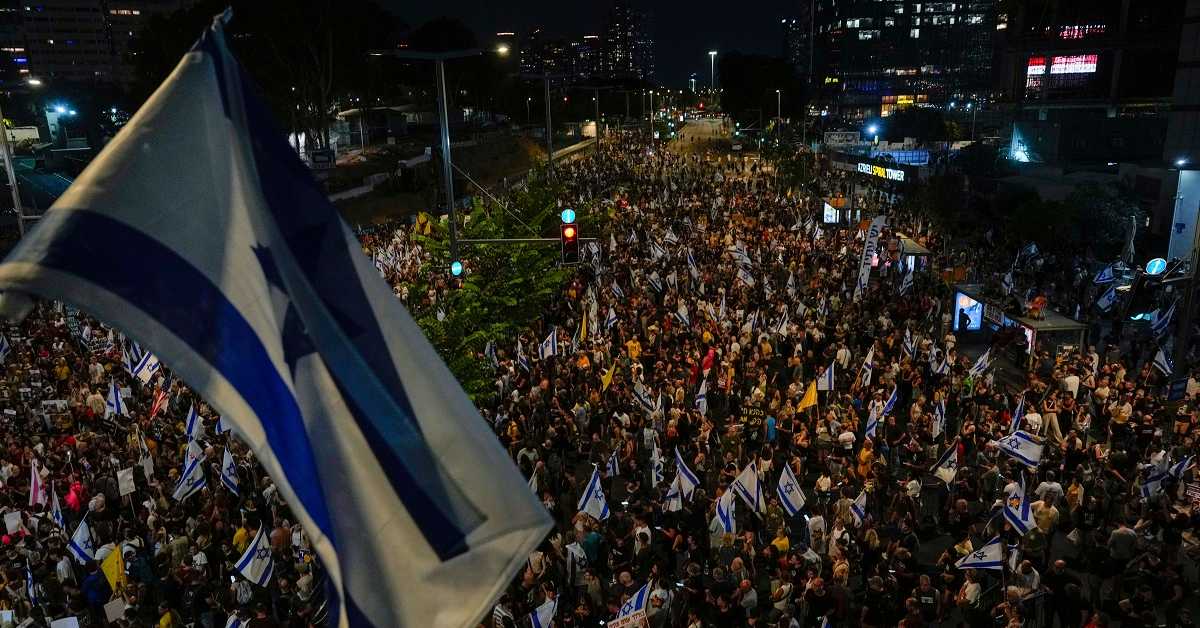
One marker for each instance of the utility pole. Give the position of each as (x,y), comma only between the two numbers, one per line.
(546,78)
(12,177)
(439,59)
(595,89)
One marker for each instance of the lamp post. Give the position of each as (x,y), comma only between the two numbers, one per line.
(528,112)
(712,70)
(10,170)
(779,104)
(439,60)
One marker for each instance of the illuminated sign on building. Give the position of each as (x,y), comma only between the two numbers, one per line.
(891,174)
(1074,64)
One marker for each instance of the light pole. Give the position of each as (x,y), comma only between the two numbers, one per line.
(10,170)
(971,106)
(712,70)
(439,59)
(779,104)
(528,112)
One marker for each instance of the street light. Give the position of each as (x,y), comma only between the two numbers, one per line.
(1181,162)
(502,50)
(873,130)
(712,69)
(779,104)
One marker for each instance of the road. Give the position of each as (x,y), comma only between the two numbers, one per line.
(699,134)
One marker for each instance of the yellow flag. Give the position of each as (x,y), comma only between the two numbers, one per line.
(810,397)
(606,377)
(114,569)
(583,329)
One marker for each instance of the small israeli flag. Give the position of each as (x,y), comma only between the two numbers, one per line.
(611,319)
(115,405)
(686,479)
(592,501)
(229,476)
(891,402)
(721,310)
(702,398)
(692,269)
(191,481)
(1163,320)
(544,614)
(1017,416)
(1017,509)
(868,367)
(906,284)
(549,346)
(221,426)
(1022,447)
(489,352)
(1107,299)
(257,564)
(234,622)
(981,364)
(858,509)
(681,314)
(617,291)
(636,604)
(826,381)
(81,545)
(747,487)
(725,508)
(939,418)
(1163,362)
(522,361)
(990,556)
(5,349)
(146,367)
(613,467)
(193,426)
(791,497)
(656,467)
(673,501)
(745,277)
(1104,276)
(946,468)
(873,420)
(56,512)
(1179,468)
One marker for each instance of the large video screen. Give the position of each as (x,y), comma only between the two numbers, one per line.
(968,313)
(831,214)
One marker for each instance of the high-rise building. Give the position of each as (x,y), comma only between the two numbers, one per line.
(587,55)
(85,41)
(628,44)
(875,57)
(797,43)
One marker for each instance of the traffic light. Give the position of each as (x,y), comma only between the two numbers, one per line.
(569,235)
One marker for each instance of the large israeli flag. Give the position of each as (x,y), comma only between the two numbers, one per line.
(981,364)
(791,497)
(81,545)
(256,563)
(114,405)
(199,232)
(990,556)
(635,605)
(687,480)
(229,476)
(544,614)
(1017,509)
(725,512)
(192,479)
(748,488)
(1022,447)
(592,501)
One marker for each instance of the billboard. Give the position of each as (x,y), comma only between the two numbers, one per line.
(831,213)
(968,313)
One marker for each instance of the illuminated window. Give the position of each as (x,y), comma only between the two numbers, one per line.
(1074,64)
(974,19)
(914,33)
(864,35)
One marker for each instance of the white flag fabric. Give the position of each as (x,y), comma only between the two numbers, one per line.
(1022,447)
(686,479)
(549,346)
(858,509)
(864,266)
(990,556)
(673,501)
(1107,299)
(791,497)
(81,545)
(544,614)
(702,398)
(939,418)
(256,563)
(56,512)
(592,501)
(199,232)
(1163,362)
(656,467)
(229,476)
(826,381)
(981,364)
(747,487)
(191,481)
(946,468)
(37,490)
(146,367)
(613,467)
(115,405)
(635,606)
(193,426)
(5,349)
(868,367)
(725,512)
(1017,509)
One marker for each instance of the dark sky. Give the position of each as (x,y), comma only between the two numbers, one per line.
(684,31)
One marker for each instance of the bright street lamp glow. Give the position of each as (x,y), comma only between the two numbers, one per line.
(872,129)
(33,81)
(60,109)
(712,53)
(502,50)
(1181,162)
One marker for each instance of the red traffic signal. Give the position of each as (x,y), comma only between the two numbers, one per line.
(569,237)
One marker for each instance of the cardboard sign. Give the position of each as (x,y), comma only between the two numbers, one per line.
(12,521)
(114,610)
(1192,490)
(125,481)
(636,620)
(66,622)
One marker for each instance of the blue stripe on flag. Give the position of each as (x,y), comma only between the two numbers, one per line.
(314,233)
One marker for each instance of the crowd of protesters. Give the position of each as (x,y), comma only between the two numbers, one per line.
(709,277)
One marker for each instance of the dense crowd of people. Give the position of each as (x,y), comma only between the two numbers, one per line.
(711,282)
(691,343)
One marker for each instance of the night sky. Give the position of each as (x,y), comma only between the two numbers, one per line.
(683,31)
